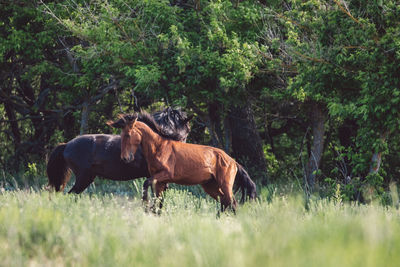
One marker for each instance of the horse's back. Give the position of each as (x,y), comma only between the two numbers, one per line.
(79,149)
(200,153)
(100,154)
(202,162)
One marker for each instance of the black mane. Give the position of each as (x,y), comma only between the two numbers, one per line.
(157,128)
(170,123)
(171,116)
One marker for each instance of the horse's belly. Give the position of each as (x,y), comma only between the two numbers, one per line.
(120,171)
(195,176)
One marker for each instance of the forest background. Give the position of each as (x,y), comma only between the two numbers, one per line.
(302,93)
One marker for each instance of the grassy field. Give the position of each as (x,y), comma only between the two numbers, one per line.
(103,229)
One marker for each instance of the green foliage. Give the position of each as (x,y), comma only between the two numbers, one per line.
(278,58)
(350,71)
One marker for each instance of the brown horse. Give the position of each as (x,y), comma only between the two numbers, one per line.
(170,161)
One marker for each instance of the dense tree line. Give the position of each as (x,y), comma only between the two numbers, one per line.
(295,90)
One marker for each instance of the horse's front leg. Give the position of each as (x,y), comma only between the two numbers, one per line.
(159,185)
(159,188)
(145,194)
(145,189)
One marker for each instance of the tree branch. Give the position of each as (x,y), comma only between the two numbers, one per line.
(347,12)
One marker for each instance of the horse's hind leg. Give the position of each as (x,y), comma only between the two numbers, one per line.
(226,183)
(82,181)
(211,187)
(227,199)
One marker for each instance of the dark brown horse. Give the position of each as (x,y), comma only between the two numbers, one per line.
(94,155)
(170,161)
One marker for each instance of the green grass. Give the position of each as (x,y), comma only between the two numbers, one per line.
(40,228)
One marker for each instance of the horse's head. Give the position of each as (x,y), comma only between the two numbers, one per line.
(130,136)
(174,122)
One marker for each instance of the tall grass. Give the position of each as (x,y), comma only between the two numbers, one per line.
(41,228)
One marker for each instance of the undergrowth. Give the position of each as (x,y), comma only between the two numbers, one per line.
(109,229)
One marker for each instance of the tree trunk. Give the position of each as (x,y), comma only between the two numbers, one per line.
(214,113)
(228,136)
(69,126)
(376,159)
(317,147)
(14,125)
(346,132)
(246,142)
(85,118)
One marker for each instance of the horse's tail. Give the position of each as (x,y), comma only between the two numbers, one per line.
(245,184)
(57,170)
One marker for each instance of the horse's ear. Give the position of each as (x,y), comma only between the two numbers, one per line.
(188,118)
(110,123)
(131,119)
(134,121)
(116,124)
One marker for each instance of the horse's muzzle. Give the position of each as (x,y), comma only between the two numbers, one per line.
(128,159)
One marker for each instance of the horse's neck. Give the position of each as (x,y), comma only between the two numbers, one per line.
(150,140)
